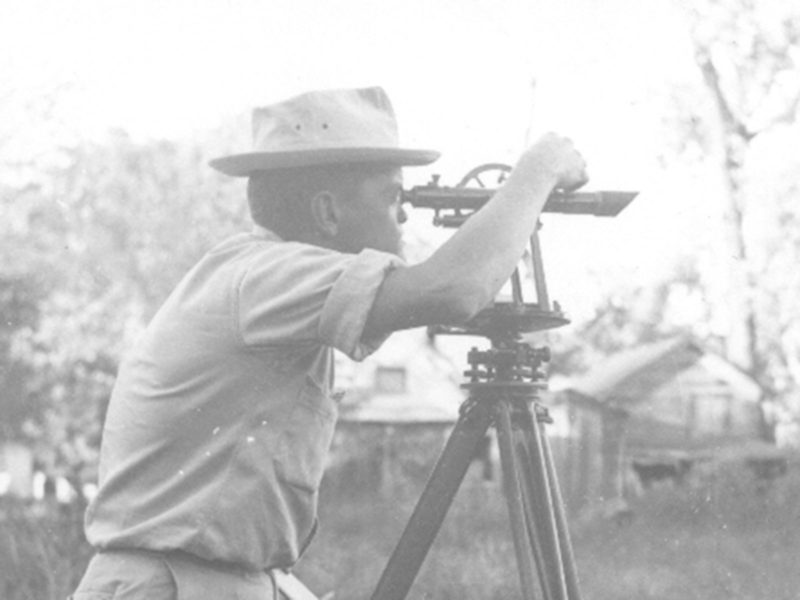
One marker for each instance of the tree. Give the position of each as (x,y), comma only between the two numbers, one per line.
(19,309)
(747,54)
(96,235)
(639,314)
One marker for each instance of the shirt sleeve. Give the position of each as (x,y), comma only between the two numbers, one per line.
(297,293)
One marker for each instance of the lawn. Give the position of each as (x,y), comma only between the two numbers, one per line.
(723,535)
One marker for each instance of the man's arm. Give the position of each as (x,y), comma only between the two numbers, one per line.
(466,272)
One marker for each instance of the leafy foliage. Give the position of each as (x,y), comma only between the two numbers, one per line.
(97,238)
(637,315)
(741,125)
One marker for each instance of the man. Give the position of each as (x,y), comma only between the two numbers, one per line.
(220,419)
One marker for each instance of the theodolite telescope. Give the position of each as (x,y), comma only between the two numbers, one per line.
(452,206)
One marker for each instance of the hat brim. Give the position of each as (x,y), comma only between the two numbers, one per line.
(242,165)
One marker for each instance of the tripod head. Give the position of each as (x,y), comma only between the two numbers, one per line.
(452,206)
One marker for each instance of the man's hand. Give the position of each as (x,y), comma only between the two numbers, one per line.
(553,156)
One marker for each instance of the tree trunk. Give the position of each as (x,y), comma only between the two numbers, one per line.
(743,339)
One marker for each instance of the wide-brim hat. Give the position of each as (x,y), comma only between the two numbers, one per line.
(322,128)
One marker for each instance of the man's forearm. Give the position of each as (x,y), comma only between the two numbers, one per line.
(482,254)
(466,272)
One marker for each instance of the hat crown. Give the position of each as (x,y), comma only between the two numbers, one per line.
(323,128)
(352,118)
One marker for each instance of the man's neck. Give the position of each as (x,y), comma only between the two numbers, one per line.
(310,238)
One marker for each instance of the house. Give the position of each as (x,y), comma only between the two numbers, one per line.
(651,410)
(397,410)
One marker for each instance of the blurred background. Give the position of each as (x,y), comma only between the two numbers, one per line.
(675,389)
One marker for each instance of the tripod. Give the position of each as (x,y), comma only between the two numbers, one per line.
(503,386)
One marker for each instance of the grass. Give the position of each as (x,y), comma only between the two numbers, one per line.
(42,550)
(722,536)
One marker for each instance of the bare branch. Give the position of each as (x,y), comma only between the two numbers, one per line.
(711,77)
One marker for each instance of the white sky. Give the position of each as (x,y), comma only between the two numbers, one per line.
(459,72)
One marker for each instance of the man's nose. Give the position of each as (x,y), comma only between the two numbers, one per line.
(402,215)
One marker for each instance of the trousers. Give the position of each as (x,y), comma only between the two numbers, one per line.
(145,575)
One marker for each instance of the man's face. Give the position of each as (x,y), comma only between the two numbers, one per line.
(373,218)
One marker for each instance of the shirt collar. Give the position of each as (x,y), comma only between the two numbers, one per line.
(265,233)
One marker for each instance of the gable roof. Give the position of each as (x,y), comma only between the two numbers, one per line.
(605,379)
(614,377)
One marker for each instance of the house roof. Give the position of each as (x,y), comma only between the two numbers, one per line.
(606,377)
(660,361)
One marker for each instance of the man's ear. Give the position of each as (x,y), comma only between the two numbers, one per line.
(325,213)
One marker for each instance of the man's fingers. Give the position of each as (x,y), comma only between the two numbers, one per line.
(574,185)
(577,177)
(557,155)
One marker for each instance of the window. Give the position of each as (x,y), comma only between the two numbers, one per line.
(390,380)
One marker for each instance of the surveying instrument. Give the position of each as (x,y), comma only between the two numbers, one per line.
(503,392)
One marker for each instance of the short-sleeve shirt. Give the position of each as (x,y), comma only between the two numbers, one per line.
(221,417)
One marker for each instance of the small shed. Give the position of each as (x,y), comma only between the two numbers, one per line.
(655,408)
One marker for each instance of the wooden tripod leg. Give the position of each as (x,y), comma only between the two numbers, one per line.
(536,505)
(524,544)
(431,509)
(552,522)
(540,493)
(568,557)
